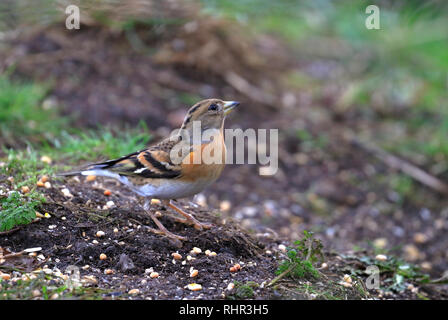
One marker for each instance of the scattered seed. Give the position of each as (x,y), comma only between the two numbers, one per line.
(158,214)
(282,248)
(54,296)
(133,292)
(381,257)
(11,179)
(47,215)
(100,234)
(207,252)
(176,256)
(107,192)
(39,215)
(420,238)
(90,178)
(155,201)
(46,159)
(5,276)
(225,205)
(115,230)
(109,271)
(103,256)
(324,265)
(44,179)
(149,270)
(230,286)
(47,185)
(36,293)
(66,193)
(40,183)
(89,279)
(196,250)
(194,287)
(25,189)
(213,254)
(194,273)
(154,275)
(347,278)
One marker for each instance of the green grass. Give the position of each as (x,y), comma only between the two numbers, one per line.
(17,209)
(396,76)
(99,144)
(23,116)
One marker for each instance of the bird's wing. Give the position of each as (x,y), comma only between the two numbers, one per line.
(153,162)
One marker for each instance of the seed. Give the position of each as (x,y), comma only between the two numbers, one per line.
(46,159)
(107,192)
(176,256)
(5,276)
(233,269)
(196,250)
(90,178)
(66,193)
(47,215)
(230,286)
(324,265)
(100,234)
(155,201)
(40,183)
(109,271)
(25,189)
(225,205)
(115,230)
(347,278)
(158,214)
(282,248)
(36,293)
(39,215)
(212,254)
(154,275)
(54,296)
(207,252)
(194,273)
(47,185)
(381,257)
(103,256)
(44,178)
(11,179)
(194,287)
(133,291)
(420,238)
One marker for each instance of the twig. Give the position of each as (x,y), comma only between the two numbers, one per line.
(404,166)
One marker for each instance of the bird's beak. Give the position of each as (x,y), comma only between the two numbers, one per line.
(229,106)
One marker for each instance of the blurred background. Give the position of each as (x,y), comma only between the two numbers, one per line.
(362,114)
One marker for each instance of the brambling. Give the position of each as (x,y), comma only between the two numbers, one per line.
(161,172)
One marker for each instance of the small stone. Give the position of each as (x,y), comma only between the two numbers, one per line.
(36,293)
(194,287)
(54,296)
(103,256)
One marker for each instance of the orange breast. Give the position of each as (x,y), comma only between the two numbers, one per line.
(206,161)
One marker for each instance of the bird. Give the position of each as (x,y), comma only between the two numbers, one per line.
(177,167)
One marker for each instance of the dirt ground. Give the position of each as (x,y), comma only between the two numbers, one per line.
(259,212)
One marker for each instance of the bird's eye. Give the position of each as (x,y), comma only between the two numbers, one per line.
(213,107)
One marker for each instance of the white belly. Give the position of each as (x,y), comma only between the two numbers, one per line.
(173,190)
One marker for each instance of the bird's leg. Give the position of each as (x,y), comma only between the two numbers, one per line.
(189,219)
(162,230)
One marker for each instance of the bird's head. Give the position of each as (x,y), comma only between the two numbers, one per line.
(211,114)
